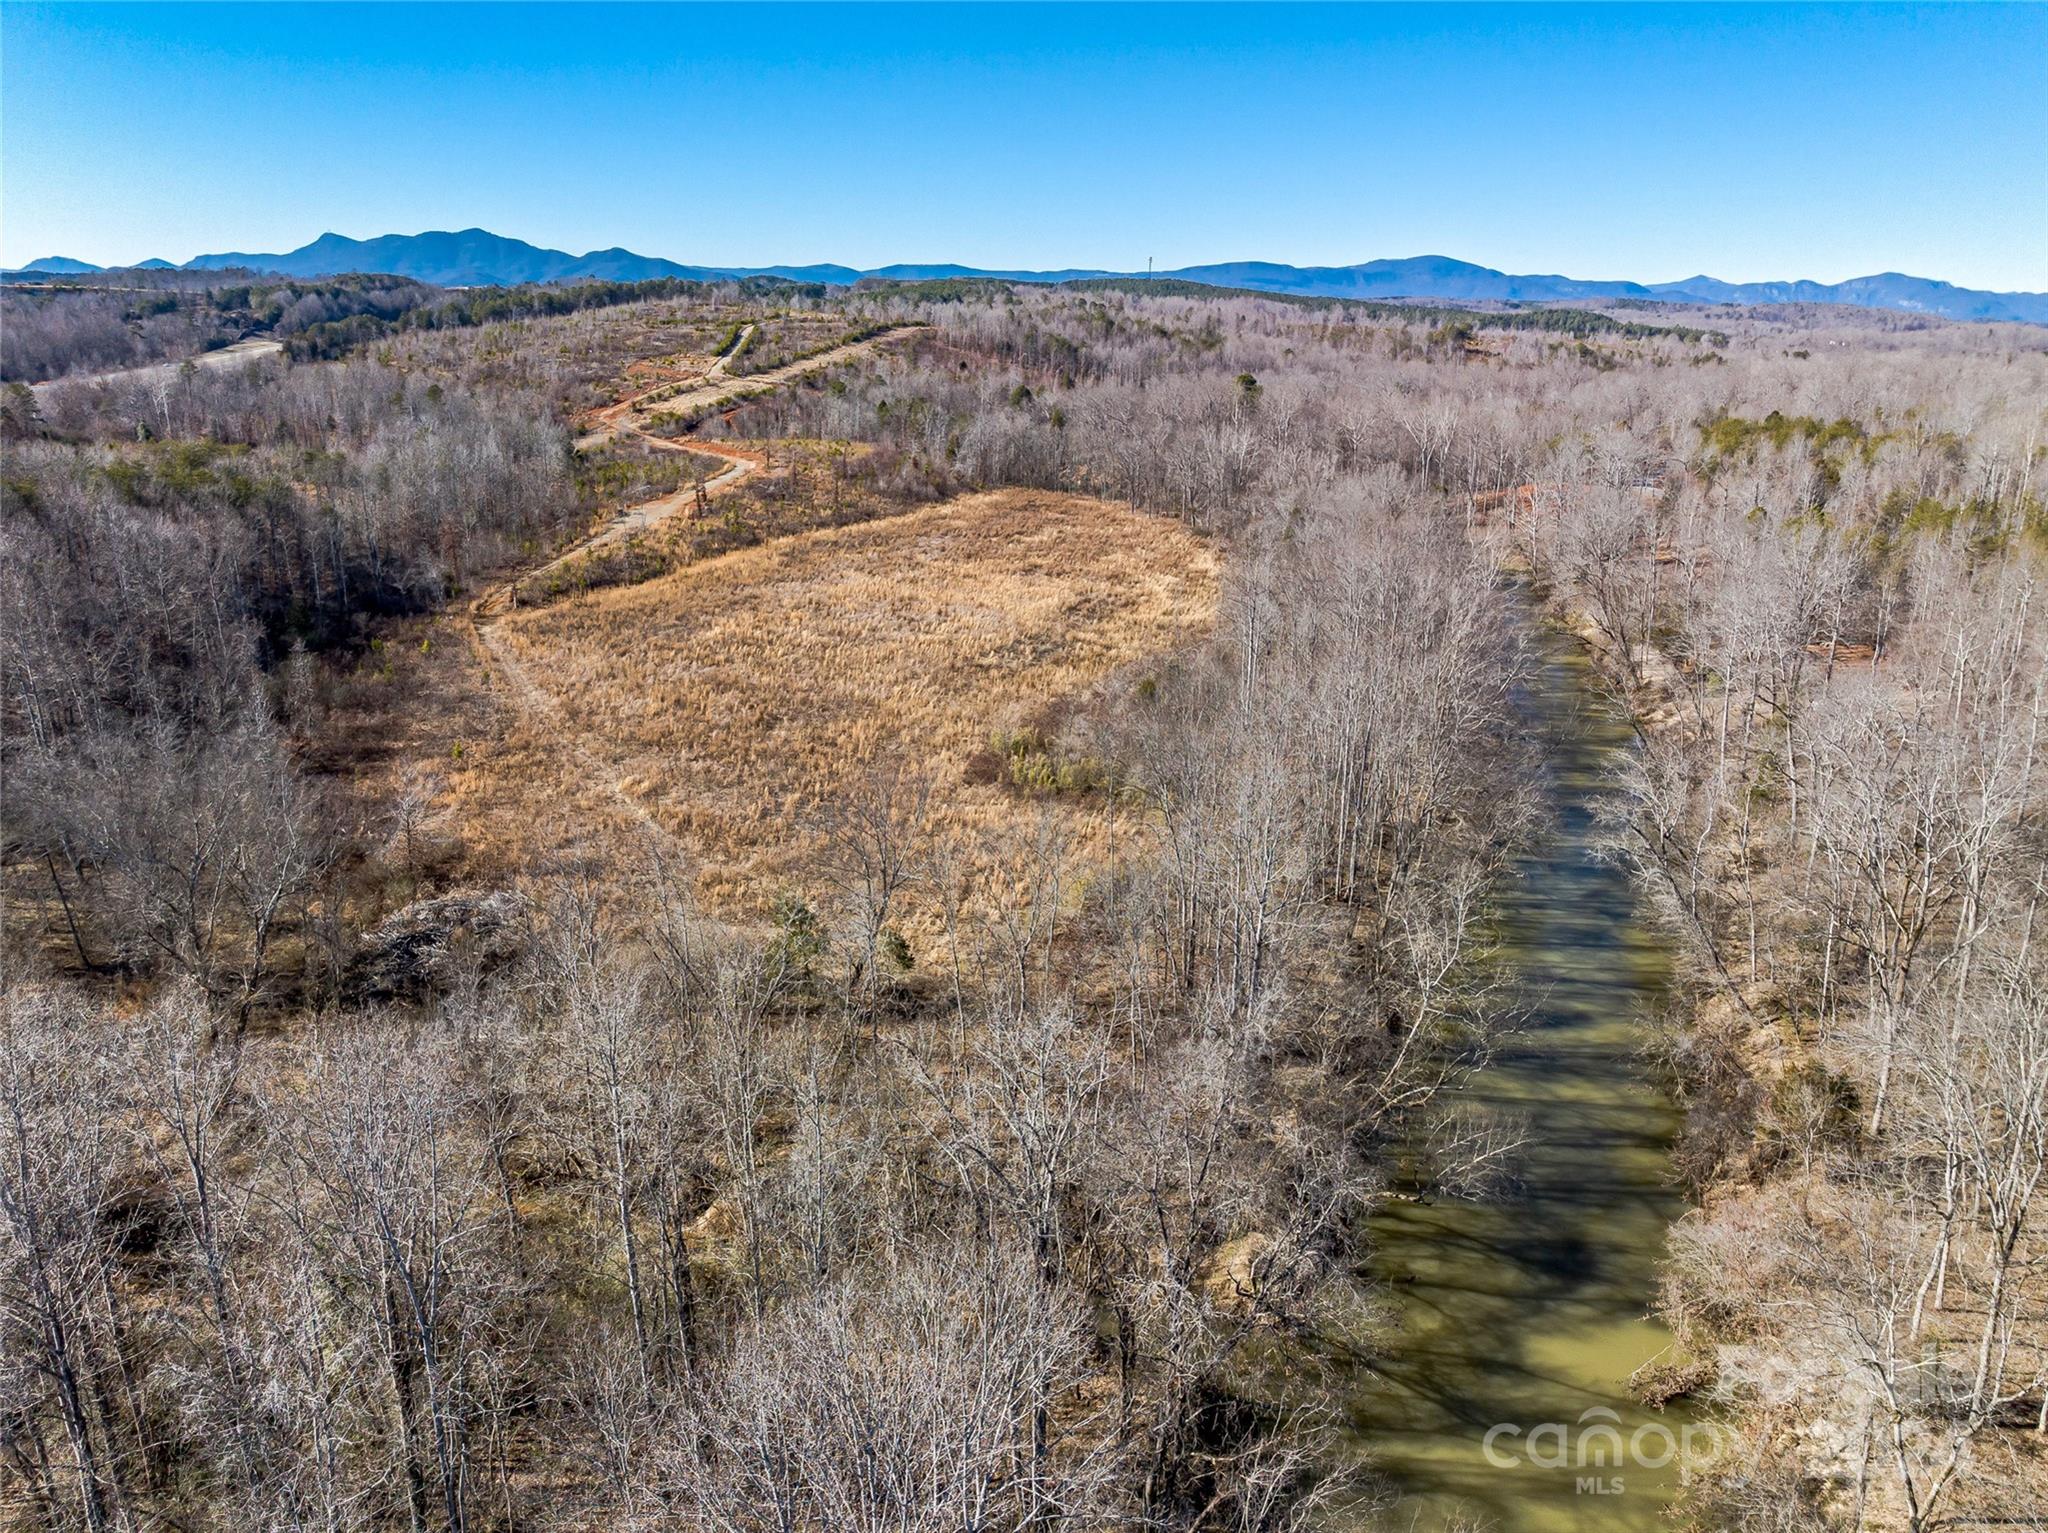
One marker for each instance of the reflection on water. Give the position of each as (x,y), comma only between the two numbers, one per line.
(1530,1310)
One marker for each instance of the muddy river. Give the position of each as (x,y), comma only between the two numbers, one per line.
(1503,1400)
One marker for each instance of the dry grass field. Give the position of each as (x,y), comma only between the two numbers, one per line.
(580,361)
(735,696)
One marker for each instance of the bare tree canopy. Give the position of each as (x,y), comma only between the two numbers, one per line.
(1001,1147)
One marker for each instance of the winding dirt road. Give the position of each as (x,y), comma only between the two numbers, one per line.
(627,418)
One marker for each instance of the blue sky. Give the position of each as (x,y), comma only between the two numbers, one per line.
(1749,142)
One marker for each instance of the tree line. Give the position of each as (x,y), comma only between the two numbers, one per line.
(574,1203)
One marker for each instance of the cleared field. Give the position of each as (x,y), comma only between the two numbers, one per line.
(735,695)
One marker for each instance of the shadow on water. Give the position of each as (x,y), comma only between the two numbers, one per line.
(1532,1309)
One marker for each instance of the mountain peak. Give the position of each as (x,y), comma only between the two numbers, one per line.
(476,257)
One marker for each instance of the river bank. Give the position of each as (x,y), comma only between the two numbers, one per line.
(1505,1397)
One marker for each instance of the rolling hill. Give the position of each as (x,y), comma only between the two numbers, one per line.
(478,258)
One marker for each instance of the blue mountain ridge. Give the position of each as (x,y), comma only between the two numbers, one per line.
(478,258)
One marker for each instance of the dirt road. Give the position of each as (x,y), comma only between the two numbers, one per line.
(627,418)
(609,420)
(717,384)
(613,422)
(228,356)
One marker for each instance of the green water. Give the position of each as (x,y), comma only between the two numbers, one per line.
(1530,1310)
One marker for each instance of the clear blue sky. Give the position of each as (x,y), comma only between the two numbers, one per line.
(1749,142)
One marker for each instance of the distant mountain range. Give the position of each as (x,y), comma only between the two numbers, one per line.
(478,258)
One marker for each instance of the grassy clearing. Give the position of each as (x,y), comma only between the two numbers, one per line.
(779,339)
(579,361)
(736,695)
(798,487)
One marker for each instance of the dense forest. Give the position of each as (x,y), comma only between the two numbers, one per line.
(361,1168)
(60,327)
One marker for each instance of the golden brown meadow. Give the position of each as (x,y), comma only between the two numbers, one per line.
(733,697)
